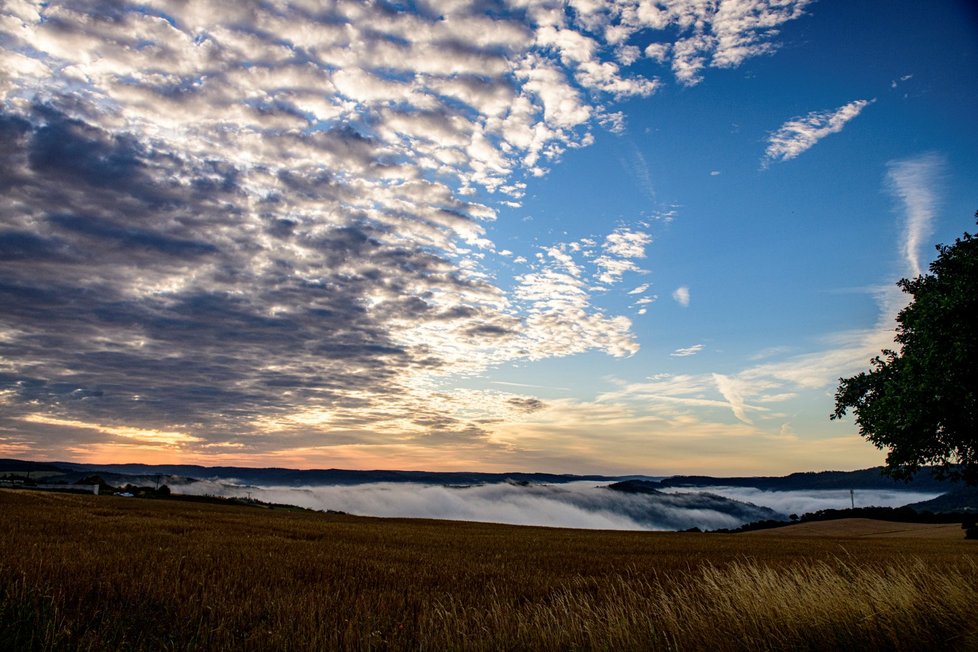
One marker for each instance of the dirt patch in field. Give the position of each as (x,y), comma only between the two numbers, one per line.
(866,528)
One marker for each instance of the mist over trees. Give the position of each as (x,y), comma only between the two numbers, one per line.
(920,402)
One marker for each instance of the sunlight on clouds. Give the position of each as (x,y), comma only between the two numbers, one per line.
(281,212)
(153,438)
(732,392)
(571,431)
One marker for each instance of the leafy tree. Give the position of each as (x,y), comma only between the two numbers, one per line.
(921,402)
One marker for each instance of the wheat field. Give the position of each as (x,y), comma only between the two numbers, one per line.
(108,573)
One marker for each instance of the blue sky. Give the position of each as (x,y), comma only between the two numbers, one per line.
(610,237)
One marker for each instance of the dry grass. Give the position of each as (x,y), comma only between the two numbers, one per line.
(845,528)
(95,573)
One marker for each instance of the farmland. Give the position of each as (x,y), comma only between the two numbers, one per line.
(90,572)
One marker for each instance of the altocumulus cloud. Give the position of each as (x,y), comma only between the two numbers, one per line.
(261,226)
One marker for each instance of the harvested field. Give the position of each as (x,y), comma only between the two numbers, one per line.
(847,528)
(95,573)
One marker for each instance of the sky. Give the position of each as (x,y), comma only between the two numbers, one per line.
(582,237)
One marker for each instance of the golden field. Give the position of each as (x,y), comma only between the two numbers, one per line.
(107,573)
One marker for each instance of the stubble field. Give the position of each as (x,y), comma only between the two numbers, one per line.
(100,573)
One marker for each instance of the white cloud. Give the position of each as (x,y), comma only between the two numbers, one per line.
(559,323)
(894,83)
(681,296)
(657,51)
(613,268)
(732,391)
(913,182)
(687,351)
(799,134)
(627,244)
(564,260)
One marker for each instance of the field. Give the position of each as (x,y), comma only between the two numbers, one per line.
(109,573)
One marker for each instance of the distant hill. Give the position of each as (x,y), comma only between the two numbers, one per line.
(872,478)
(648,487)
(863,479)
(959,499)
(291,477)
(23,466)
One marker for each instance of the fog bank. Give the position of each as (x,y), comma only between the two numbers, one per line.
(574,505)
(804,501)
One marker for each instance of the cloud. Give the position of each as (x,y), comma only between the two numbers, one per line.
(620,248)
(217,223)
(894,83)
(264,227)
(627,244)
(681,296)
(799,134)
(717,35)
(913,182)
(658,52)
(638,168)
(687,351)
(732,392)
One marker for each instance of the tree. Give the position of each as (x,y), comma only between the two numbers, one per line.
(921,402)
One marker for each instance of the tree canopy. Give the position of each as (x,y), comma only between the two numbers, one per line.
(921,402)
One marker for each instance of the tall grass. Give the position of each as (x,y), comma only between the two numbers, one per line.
(745,606)
(97,573)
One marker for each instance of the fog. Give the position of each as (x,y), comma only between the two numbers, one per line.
(804,501)
(574,505)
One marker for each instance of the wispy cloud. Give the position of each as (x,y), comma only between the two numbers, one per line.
(799,134)
(913,181)
(687,351)
(896,82)
(528,385)
(638,167)
(732,391)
